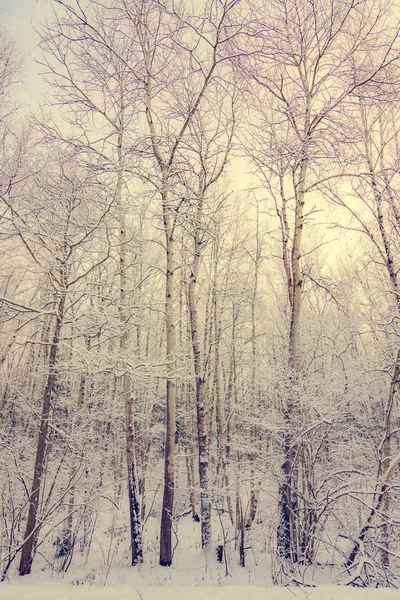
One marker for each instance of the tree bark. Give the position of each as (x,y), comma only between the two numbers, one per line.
(32,526)
(287,534)
(169,451)
(393,277)
(382,492)
(134,505)
(205,501)
(253,433)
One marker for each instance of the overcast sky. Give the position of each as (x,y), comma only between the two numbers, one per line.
(20,16)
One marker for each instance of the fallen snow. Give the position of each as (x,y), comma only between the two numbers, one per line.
(105,574)
(59,591)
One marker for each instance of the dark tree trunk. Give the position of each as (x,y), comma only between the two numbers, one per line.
(32,526)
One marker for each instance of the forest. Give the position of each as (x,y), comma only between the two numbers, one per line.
(200,294)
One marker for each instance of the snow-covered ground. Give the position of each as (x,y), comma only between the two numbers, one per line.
(58,591)
(105,574)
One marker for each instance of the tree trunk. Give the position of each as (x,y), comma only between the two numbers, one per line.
(205,501)
(134,505)
(393,276)
(67,543)
(287,499)
(254,388)
(382,493)
(169,451)
(219,416)
(32,526)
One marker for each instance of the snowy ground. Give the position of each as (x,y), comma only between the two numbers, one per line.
(105,574)
(58,591)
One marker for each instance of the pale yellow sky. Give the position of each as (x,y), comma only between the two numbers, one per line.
(20,17)
(19,14)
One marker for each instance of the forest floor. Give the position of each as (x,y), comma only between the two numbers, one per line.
(104,574)
(59,591)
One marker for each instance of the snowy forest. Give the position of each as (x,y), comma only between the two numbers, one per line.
(200,294)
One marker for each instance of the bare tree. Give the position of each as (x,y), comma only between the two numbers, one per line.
(105,97)
(374,211)
(66,201)
(212,152)
(301,88)
(168,40)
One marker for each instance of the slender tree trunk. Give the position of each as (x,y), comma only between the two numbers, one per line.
(32,526)
(382,492)
(393,276)
(387,449)
(253,432)
(189,452)
(240,528)
(68,541)
(169,452)
(205,501)
(287,534)
(134,505)
(219,416)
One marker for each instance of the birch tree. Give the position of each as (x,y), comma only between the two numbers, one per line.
(168,43)
(374,155)
(169,47)
(61,259)
(212,155)
(93,85)
(304,85)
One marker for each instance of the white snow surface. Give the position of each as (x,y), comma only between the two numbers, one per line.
(60,591)
(106,575)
